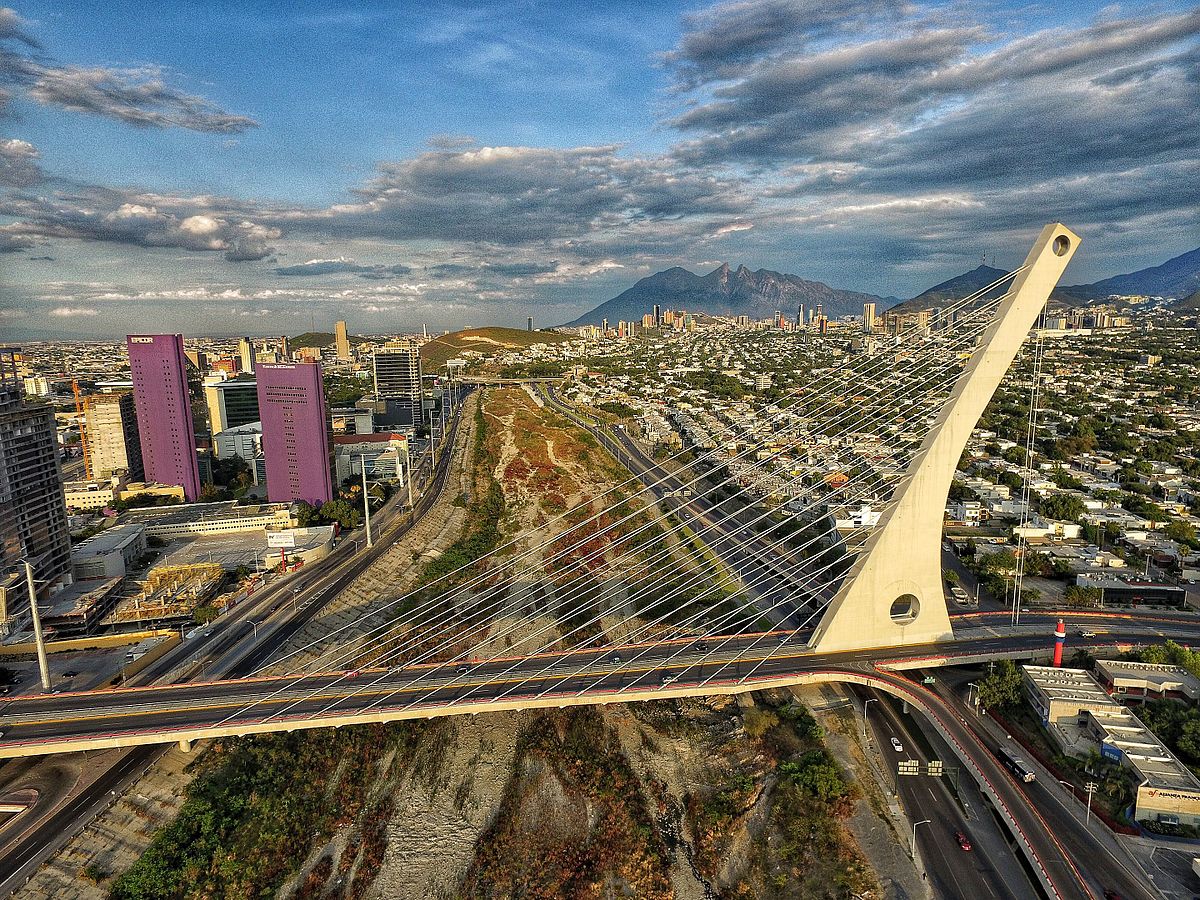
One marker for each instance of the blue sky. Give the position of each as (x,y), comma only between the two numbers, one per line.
(227,167)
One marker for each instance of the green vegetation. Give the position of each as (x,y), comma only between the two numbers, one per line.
(436,352)
(256,809)
(720,385)
(604,833)
(1002,687)
(320,339)
(341,391)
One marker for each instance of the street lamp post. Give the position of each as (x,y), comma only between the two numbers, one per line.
(913,852)
(295,597)
(43,665)
(865,702)
(366,500)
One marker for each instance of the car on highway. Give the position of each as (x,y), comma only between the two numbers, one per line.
(616,658)
(669,677)
(897,746)
(1087,634)
(462,669)
(964,842)
(1113,895)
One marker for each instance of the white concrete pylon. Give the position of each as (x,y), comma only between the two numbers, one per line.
(893,594)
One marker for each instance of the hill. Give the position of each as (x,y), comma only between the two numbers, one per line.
(437,350)
(726,292)
(954,289)
(1177,277)
(320,339)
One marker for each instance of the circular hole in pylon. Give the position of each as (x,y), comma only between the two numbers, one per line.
(905,608)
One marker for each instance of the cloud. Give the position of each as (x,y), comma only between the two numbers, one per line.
(124,217)
(522,195)
(73,312)
(18,163)
(522,268)
(341,265)
(136,96)
(14,28)
(13,242)
(718,40)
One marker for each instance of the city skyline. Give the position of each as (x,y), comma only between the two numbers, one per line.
(162,173)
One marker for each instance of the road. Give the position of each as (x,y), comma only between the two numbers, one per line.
(227,649)
(991,868)
(1110,867)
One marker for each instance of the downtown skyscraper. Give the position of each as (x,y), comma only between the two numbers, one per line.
(295,432)
(33,516)
(164,410)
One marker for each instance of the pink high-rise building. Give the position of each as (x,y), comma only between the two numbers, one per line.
(295,432)
(164,410)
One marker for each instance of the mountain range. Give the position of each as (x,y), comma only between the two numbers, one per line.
(726,291)
(1178,277)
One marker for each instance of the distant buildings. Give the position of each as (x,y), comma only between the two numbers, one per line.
(113,441)
(295,432)
(342,340)
(231,403)
(398,371)
(33,516)
(246,354)
(164,412)
(868,317)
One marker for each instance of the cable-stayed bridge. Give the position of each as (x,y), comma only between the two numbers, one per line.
(658,590)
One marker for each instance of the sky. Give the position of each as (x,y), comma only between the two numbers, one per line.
(238,167)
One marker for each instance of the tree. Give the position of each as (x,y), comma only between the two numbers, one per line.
(1182,532)
(205,614)
(999,561)
(343,513)
(1063,507)
(758,722)
(1002,687)
(1079,597)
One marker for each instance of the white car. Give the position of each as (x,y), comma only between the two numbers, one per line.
(897,746)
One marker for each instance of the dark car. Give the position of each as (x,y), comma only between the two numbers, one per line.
(1113,895)
(71,673)
(462,669)
(963,841)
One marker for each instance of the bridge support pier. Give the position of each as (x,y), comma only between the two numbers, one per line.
(893,594)
(185,745)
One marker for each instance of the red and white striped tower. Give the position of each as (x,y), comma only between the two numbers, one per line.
(1060,637)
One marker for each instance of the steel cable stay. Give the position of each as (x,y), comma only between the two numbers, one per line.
(441,600)
(452,612)
(810,617)
(916,331)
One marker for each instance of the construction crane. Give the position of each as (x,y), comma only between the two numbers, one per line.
(79,407)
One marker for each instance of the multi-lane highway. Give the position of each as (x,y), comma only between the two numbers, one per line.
(989,868)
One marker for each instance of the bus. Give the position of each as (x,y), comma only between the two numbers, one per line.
(1016,765)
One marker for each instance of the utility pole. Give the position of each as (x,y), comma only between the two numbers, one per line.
(43,665)
(1090,787)
(366,500)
